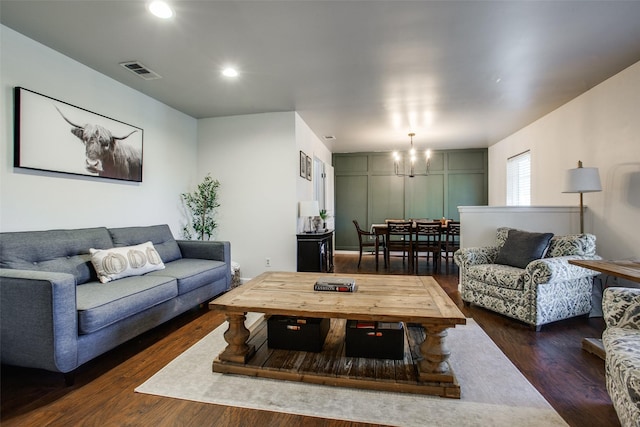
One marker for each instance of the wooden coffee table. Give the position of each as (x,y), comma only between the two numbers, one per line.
(410,299)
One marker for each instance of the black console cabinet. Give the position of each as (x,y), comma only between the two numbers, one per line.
(315,252)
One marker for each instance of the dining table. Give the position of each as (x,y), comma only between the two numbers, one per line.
(380,230)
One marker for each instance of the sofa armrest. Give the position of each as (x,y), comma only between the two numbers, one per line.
(557,269)
(621,307)
(38,319)
(467,257)
(206,249)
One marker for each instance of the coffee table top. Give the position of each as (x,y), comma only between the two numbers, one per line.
(391,298)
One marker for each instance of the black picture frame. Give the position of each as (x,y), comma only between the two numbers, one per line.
(309,168)
(303,165)
(55,136)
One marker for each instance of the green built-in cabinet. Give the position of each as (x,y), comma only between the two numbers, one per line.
(366,189)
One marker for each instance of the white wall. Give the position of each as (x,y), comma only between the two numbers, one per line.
(601,128)
(478,224)
(308,143)
(255,159)
(31,200)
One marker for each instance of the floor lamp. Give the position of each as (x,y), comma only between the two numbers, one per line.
(582,180)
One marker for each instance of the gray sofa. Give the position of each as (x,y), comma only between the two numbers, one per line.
(56,315)
(621,341)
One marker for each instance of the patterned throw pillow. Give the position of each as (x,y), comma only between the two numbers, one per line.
(116,263)
(522,247)
(572,244)
(501,235)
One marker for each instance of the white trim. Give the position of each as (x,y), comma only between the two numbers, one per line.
(502,209)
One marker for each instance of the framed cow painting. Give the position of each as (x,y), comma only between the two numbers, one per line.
(52,135)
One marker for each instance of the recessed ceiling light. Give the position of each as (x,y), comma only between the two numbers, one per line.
(160,9)
(230,72)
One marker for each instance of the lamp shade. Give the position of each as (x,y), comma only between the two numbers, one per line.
(309,208)
(582,180)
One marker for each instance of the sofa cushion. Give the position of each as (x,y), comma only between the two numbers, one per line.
(116,263)
(62,251)
(193,273)
(622,346)
(502,276)
(159,235)
(522,247)
(100,306)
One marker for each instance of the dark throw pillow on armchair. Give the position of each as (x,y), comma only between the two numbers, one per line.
(522,247)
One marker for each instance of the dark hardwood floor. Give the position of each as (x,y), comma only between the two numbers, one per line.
(552,360)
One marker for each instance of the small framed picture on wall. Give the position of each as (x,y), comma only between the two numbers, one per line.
(303,165)
(309,168)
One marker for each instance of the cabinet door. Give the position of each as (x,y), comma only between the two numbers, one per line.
(309,256)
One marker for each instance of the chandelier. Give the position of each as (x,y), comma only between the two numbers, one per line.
(412,156)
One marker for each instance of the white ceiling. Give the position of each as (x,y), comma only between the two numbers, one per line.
(458,74)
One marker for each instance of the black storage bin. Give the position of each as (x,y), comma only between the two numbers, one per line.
(380,340)
(297,333)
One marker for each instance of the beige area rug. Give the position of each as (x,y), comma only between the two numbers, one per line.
(494,392)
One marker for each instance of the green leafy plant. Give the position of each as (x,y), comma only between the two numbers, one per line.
(201,207)
(323,214)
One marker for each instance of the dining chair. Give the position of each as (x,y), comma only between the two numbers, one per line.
(366,239)
(399,238)
(428,239)
(451,241)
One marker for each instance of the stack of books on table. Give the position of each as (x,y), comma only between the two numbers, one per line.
(335,284)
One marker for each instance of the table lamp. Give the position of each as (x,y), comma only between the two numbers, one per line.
(582,180)
(309,209)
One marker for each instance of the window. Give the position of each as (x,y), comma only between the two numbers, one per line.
(519,180)
(319,182)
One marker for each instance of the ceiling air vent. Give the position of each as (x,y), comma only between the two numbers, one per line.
(141,70)
(329,137)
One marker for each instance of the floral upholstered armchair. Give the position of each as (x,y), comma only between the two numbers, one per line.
(621,340)
(536,288)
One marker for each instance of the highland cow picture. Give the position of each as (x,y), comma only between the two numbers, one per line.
(52,135)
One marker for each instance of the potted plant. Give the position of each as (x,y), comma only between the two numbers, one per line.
(324,215)
(201,208)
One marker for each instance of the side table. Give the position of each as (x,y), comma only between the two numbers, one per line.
(315,252)
(629,270)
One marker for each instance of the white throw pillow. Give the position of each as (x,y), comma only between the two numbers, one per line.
(116,263)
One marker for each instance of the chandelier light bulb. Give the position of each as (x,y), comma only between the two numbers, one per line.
(412,157)
(230,72)
(161,9)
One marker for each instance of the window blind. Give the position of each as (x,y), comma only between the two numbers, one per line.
(519,180)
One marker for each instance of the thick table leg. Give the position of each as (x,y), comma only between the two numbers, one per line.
(434,366)
(236,336)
